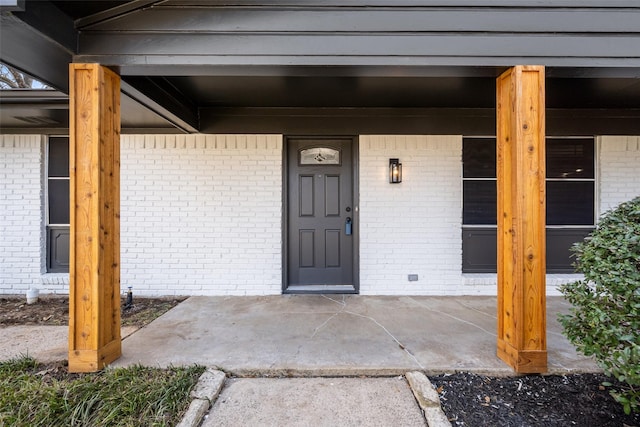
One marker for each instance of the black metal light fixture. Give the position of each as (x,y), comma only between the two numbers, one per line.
(395,171)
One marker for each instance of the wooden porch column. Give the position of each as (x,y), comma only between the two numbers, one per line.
(521,219)
(94,271)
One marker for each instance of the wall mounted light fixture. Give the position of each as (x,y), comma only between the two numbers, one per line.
(395,171)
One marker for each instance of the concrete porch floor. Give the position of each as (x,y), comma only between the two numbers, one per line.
(336,335)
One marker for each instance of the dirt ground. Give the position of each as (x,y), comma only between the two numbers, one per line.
(54,310)
(532,400)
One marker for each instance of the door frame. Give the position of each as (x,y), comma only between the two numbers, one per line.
(355,161)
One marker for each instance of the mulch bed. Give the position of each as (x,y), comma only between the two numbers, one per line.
(532,400)
(53,310)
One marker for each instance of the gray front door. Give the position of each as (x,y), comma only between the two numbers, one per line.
(321,215)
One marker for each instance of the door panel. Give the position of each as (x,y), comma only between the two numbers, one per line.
(306,191)
(307,249)
(320,199)
(332,195)
(332,248)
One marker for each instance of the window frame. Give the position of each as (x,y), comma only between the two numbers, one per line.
(557,232)
(53,231)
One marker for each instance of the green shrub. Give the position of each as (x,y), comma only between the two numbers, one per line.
(605,319)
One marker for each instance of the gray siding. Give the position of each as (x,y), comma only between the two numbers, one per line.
(385,33)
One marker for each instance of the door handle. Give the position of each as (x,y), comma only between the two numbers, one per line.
(347,226)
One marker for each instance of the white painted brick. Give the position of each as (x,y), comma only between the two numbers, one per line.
(21,213)
(204,216)
(201,214)
(412,227)
(619,157)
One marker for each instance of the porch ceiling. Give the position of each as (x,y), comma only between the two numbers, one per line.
(47,111)
(186,90)
(394,91)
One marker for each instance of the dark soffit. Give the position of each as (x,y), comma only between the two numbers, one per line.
(38,109)
(80,9)
(567,87)
(395,92)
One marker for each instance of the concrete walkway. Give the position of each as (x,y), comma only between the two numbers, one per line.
(315,402)
(333,335)
(43,343)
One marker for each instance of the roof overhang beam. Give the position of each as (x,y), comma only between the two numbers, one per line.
(158,96)
(34,53)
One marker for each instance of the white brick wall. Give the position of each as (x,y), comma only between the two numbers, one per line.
(619,165)
(201,214)
(21,213)
(412,227)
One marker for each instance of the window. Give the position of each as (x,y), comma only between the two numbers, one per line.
(57,205)
(570,186)
(570,182)
(479,181)
(320,156)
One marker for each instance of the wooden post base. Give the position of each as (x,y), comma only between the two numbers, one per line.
(522,361)
(94,360)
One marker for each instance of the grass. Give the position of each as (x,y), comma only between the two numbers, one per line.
(32,395)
